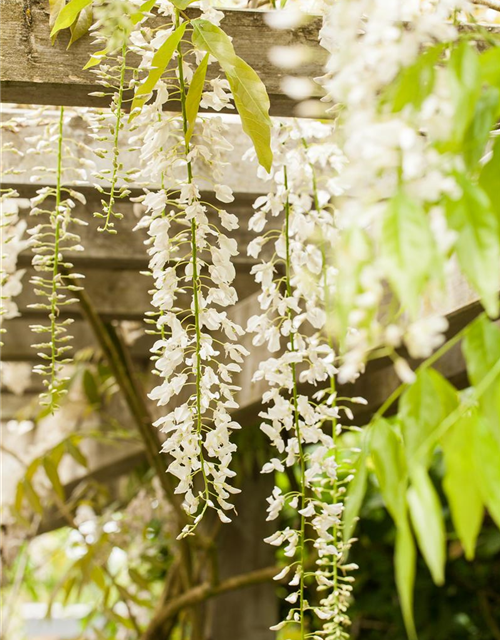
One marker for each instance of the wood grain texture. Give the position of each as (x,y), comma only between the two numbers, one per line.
(34,72)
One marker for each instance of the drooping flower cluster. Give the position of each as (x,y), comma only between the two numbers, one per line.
(395,110)
(51,240)
(295,300)
(191,262)
(116,20)
(13,242)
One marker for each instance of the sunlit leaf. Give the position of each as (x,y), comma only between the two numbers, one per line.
(386,449)
(53,475)
(478,133)
(98,577)
(159,63)
(489,62)
(415,82)
(76,454)
(81,25)
(481,348)
(427,519)
(55,7)
(405,567)
(460,481)
(32,496)
(68,15)
(194,96)
(423,406)
(182,4)
(355,493)
(90,387)
(478,244)
(407,249)
(489,180)
(464,72)
(135,18)
(486,451)
(249,93)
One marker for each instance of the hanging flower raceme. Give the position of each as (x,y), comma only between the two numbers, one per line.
(116,21)
(51,240)
(13,242)
(398,196)
(191,261)
(295,295)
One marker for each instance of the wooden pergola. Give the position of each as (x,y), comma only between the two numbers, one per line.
(35,73)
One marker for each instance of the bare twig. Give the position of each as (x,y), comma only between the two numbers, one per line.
(491,4)
(201,593)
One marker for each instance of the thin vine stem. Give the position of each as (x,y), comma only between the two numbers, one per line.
(108,225)
(55,266)
(296,415)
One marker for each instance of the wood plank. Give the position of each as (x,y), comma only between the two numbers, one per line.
(34,72)
(126,249)
(19,338)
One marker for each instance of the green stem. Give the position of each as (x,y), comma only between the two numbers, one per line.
(425,365)
(55,266)
(108,225)
(296,416)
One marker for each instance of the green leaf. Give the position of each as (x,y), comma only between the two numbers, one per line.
(415,82)
(139,579)
(81,25)
(159,63)
(68,15)
(478,244)
(355,492)
(465,85)
(427,519)
(194,96)
(18,501)
(32,496)
(76,454)
(478,133)
(489,180)
(386,449)
(460,481)
(489,62)
(144,8)
(55,7)
(405,566)
(486,452)
(182,4)
(135,18)
(423,407)
(249,93)
(481,348)
(407,250)
(98,577)
(53,476)
(90,387)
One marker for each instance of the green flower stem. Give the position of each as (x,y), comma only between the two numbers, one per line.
(116,147)
(333,389)
(425,365)
(296,417)
(55,266)
(196,277)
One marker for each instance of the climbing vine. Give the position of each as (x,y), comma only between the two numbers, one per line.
(365,214)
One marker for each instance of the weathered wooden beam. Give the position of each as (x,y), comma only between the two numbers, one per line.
(19,337)
(34,72)
(126,249)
